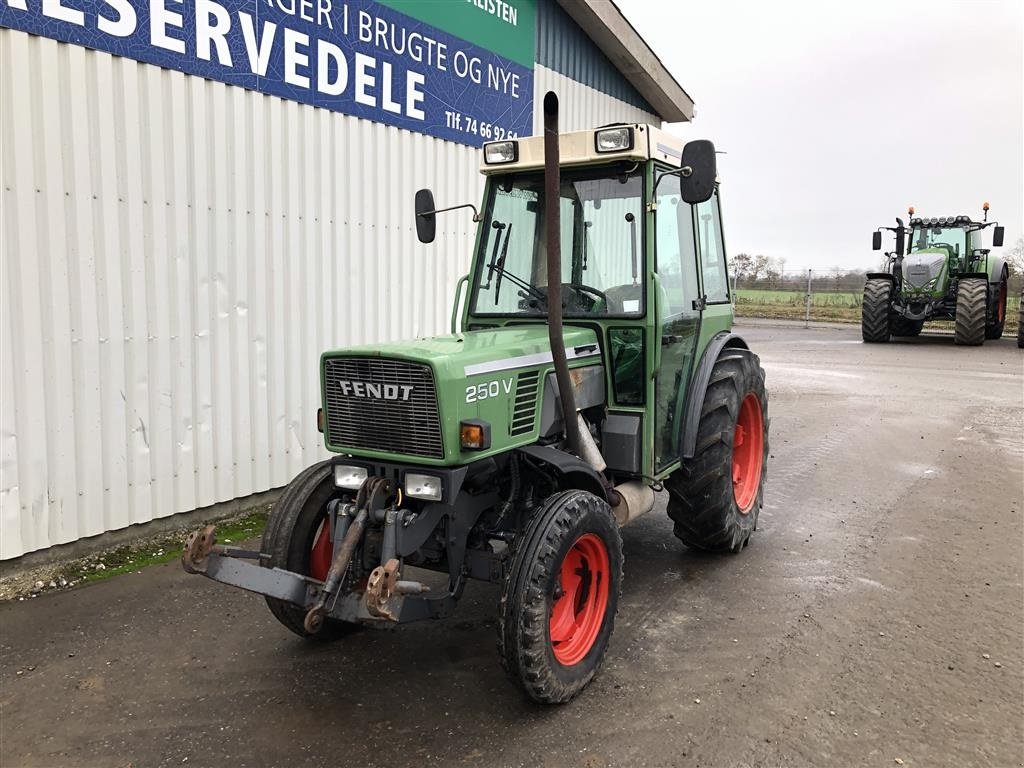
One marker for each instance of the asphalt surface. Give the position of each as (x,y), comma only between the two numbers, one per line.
(877,617)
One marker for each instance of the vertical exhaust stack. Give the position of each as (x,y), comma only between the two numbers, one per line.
(552,186)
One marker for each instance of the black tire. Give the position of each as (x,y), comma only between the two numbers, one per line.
(971,311)
(874,311)
(528,596)
(900,326)
(996,320)
(1020,322)
(288,540)
(703,501)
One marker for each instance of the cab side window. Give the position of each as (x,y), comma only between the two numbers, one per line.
(676,258)
(712,251)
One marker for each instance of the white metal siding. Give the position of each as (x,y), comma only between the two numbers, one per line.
(580,106)
(176,253)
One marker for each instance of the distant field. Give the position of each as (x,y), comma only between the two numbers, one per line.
(825,305)
(798,298)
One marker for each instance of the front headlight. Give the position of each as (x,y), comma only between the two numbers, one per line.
(423,486)
(498,152)
(349,477)
(613,139)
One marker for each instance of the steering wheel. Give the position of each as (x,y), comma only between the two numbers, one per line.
(589,289)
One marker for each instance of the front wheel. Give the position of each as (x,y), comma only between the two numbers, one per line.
(874,310)
(560,595)
(714,497)
(971,310)
(297,539)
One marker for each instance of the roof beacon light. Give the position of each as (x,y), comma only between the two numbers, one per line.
(984,207)
(613,139)
(498,152)
(910,211)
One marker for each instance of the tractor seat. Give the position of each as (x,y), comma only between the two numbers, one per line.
(625,299)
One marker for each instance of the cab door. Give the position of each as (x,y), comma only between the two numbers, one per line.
(678,308)
(715,293)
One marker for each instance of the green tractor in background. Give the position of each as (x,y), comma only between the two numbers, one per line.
(944,273)
(511,450)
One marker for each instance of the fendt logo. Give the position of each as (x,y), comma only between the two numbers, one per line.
(375,391)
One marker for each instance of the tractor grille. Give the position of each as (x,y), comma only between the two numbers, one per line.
(382,405)
(525,407)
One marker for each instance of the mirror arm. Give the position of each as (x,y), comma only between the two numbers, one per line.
(686,171)
(477,218)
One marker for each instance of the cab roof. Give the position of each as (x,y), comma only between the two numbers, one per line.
(580,148)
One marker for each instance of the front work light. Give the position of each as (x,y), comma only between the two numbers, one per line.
(498,152)
(474,435)
(423,486)
(613,139)
(349,477)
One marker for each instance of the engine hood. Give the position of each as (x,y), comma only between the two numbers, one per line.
(477,353)
(924,270)
(405,401)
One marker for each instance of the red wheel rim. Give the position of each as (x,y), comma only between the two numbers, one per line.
(1001,310)
(747,453)
(581,597)
(321,552)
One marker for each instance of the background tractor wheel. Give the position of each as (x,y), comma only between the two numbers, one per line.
(902,327)
(1020,322)
(874,311)
(971,310)
(560,595)
(296,539)
(997,319)
(714,497)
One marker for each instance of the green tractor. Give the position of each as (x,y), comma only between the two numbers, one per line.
(944,274)
(590,365)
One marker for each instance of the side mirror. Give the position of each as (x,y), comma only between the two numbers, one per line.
(997,237)
(698,185)
(426,218)
(876,241)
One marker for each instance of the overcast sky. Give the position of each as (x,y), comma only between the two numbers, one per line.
(838,115)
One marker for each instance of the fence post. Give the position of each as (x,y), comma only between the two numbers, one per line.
(807,314)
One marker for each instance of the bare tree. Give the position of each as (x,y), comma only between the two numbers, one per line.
(742,265)
(760,266)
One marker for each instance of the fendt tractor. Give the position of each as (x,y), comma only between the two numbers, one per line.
(512,450)
(945,274)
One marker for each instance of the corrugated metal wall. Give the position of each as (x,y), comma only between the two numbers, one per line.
(176,253)
(581,107)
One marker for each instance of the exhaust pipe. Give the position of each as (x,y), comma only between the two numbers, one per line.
(552,186)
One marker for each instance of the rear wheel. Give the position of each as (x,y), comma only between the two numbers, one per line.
(560,595)
(901,326)
(971,310)
(297,539)
(874,311)
(997,319)
(714,497)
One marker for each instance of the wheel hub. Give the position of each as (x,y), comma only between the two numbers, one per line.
(747,453)
(579,599)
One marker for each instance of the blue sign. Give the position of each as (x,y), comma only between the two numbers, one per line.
(354,56)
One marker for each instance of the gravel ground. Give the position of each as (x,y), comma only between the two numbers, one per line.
(876,619)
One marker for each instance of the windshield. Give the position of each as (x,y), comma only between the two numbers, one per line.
(601,243)
(953,238)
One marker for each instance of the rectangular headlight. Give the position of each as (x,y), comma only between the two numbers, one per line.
(498,152)
(423,486)
(349,477)
(613,139)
